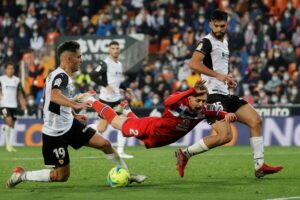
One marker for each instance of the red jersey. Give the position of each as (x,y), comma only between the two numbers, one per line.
(176,122)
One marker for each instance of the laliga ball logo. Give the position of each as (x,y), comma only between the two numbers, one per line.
(118,177)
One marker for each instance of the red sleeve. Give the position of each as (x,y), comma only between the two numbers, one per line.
(176,97)
(212,113)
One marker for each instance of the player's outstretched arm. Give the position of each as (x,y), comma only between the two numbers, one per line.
(58,98)
(229,117)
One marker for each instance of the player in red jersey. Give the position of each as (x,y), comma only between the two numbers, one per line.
(183,111)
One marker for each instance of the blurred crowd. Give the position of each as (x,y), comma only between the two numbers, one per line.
(264,43)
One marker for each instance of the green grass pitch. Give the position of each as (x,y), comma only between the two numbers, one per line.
(222,173)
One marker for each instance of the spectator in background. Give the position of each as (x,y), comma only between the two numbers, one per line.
(83,79)
(192,78)
(37,40)
(36,80)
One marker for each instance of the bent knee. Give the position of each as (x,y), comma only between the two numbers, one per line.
(106,143)
(62,177)
(59,176)
(255,121)
(224,139)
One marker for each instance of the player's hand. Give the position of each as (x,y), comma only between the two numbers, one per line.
(79,106)
(230,117)
(199,86)
(109,89)
(231,82)
(82,118)
(227,80)
(130,93)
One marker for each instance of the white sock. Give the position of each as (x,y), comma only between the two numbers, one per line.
(114,157)
(40,175)
(11,136)
(121,142)
(257,145)
(195,149)
(6,130)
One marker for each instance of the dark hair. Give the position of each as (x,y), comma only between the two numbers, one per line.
(72,46)
(113,43)
(204,91)
(9,63)
(218,15)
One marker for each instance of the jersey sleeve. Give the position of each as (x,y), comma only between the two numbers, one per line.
(60,81)
(178,96)
(211,111)
(99,75)
(204,46)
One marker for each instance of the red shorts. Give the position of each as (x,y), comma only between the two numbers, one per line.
(141,128)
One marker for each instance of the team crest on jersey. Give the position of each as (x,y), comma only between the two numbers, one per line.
(61,161)
(98,68)
(199,47)
(57,82)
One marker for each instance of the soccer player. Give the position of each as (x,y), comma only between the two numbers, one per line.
(211,60)
(11,93)
(112,75)
(183,111)
(62,127)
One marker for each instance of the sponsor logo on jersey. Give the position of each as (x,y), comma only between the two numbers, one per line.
(57,82)
(200,45)
(61,161)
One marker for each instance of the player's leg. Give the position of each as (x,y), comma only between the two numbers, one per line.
(56,157)
(98,142)
(223,136)
(102,125)
(9,131)
(248,116)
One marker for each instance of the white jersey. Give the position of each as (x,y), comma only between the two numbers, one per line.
(58,119)
(114,79)
(216,58)
(9,90)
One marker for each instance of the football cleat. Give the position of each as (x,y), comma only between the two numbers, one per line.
(10,148)
(137,178)
(266,170)
(84,97)
(181,161)
(15,178)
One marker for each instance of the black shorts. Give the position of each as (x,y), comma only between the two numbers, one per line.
(113,105)
(228,103)
(9,112)
(55,149)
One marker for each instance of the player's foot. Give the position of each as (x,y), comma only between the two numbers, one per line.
(181,161)
(15,178)
(10,148)
(125,155)
(266,169)
(83,97)
(137,178)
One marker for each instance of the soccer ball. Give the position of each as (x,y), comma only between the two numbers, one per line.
(118,177)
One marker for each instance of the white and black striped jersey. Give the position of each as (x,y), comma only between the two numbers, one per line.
(114,75)
(216,58)
(58,119)
(10,86)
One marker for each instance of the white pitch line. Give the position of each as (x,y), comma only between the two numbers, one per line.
(285,198)
(209,154)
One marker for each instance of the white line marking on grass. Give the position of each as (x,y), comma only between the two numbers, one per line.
(100,157)
(285,198)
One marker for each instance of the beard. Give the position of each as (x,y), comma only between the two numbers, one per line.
(219,35)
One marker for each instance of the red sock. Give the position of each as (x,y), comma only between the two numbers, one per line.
(104,111)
